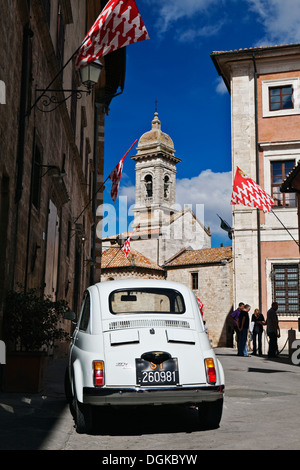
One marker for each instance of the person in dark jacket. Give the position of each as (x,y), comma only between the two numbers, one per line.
(234,318)
(258,320)
(243,326)
(273,330)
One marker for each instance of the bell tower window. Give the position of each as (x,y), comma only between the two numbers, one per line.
(166,187)
(149,186)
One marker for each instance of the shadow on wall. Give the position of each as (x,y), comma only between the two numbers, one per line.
(227,333)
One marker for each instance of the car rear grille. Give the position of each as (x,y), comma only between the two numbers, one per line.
(117,325)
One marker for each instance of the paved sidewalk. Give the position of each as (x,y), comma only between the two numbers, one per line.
(27,420)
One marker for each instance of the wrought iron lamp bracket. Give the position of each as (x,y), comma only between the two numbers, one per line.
(50,101)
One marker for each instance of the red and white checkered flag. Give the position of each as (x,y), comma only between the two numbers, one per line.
(115,177)
(116,174)
(118,25)
(126,247)
(247,192)
(201,306)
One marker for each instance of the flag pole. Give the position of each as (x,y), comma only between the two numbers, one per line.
(56,76)
(135,230)
(118,251)
(90,200)
(95,194)
(121,247)
(285,227)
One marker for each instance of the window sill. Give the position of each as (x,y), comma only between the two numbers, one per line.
(281,112)
(281,208)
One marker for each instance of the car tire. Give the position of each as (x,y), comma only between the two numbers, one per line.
(68,388)
(210,413)
(83,417)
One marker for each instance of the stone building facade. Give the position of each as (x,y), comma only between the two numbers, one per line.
(50,162)
(265,117)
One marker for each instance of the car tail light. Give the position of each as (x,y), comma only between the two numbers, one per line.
(210,370)
(98,368)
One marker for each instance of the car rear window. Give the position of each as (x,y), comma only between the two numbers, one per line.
(146,301)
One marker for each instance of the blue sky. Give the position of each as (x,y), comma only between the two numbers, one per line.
(174,67)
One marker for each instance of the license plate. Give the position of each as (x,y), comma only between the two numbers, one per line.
(148,373)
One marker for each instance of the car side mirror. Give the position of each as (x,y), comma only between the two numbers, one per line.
(69,315)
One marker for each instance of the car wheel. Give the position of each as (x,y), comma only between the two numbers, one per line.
(68,388)
(83,417)
(210,413)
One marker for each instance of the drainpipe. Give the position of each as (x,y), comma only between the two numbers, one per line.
(23,105)
(257,180)
(27,35)
(29,210)
(96,122)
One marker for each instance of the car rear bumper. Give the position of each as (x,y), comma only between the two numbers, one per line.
(151,395)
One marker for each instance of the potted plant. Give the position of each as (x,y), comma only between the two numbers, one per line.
(30,328)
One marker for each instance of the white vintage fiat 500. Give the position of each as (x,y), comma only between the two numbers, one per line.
(142,342)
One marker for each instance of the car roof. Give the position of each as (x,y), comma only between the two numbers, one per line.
(140,282)
(107,287)
(100,293)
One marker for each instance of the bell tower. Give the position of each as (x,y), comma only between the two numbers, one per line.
(155,190)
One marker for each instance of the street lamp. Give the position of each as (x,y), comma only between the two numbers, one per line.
(90,74)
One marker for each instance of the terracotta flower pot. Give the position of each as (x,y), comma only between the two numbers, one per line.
(24,372)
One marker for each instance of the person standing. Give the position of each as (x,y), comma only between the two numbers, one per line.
(258,320)
(235,317)
(273,330)
(243,326)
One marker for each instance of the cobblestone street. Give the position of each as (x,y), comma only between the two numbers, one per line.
(261,412)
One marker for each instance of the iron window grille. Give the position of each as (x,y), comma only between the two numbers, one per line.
(194,281)
(285,278)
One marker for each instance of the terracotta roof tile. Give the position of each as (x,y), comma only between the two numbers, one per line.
(250,49)
(115,258)
(204,256)
(135,234)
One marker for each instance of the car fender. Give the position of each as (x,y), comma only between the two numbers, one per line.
(78,380)
(221,372)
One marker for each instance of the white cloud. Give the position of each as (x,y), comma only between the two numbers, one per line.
(129,193)
(172,11)
(280,20)
(213,190)
(221,88)
(191,34)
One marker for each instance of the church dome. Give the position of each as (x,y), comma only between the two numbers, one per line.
(155,137)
